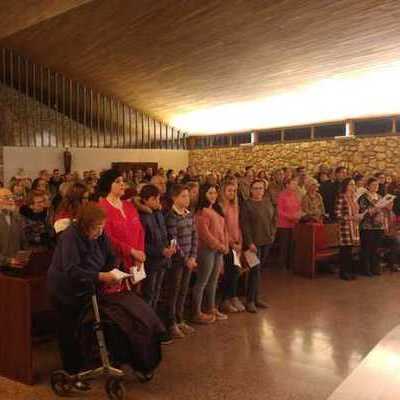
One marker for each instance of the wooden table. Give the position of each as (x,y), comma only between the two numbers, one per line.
(20,299)
(378,375)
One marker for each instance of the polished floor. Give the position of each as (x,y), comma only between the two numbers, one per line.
(315,333)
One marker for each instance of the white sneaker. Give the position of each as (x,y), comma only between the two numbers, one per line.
(219,316)
(175,332)
(186,329)
(228,307)
(238,304)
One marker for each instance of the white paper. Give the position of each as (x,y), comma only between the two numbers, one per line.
(236,259)
(120,275)
(138,273)
(385,201)
(251,258)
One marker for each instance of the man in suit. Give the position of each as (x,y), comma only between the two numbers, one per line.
(12,238)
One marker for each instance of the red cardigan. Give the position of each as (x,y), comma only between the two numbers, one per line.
(124,233)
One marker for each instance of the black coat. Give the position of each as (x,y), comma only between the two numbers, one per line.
(141,327)
(76,264)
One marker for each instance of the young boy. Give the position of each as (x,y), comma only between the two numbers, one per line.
(181,228)
(157,247)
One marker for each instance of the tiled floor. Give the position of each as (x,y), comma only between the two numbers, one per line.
(315,333)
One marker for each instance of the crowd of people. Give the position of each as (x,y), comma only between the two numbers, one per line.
(191,231)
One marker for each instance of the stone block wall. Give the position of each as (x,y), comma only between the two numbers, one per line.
(367,155)
(26,122)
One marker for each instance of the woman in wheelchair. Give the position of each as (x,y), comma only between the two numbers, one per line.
(84,259)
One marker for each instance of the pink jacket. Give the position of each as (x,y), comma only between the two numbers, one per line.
(289,207)
(232,224)
(211,229)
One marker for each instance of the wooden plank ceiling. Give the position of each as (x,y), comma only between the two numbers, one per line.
(16,15)
(173,57)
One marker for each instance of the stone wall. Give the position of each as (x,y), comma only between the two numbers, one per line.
(363,154)
(26,122)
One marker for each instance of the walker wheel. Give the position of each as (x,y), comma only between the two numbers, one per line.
(115,389)
(61,383)
(143,378)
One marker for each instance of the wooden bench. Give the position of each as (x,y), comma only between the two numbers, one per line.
(23,301)
(313,243)
(378,375)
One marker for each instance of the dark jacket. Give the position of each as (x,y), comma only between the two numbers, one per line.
(38,231)
(76,264)
(12,238)
(329,192)
(156,238)
(258,221)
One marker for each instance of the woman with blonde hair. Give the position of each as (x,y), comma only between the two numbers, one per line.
(230,206)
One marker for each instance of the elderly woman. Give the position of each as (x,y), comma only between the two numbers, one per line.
(312,204)
(38,230)
(84,258)
(83,255)
(372,227)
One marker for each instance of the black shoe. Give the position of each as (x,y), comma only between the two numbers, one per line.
(345,277)
(377,273)
(370,274)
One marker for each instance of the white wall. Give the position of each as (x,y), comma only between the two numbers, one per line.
(33,159)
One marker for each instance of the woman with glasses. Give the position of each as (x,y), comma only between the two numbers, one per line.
(38,231)
(258,223)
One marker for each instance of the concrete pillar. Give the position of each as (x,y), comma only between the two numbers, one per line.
(349,128)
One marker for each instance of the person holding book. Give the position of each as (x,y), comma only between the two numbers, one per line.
(123,226)
(181,229)
(258,220)
(372,226)
(230,282)
(157,246)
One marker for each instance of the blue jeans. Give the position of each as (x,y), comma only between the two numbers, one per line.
(255,275)
(206,280)
(179,276)
(152,287)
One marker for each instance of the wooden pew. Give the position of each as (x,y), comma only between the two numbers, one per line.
(378,375)
(313,243)
(21,299)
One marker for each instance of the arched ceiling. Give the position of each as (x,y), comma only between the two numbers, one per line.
(211,59)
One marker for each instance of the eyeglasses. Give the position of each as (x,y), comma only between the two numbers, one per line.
(257,188)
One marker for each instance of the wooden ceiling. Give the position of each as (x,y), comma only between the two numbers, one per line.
(20,14)
(173,57)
